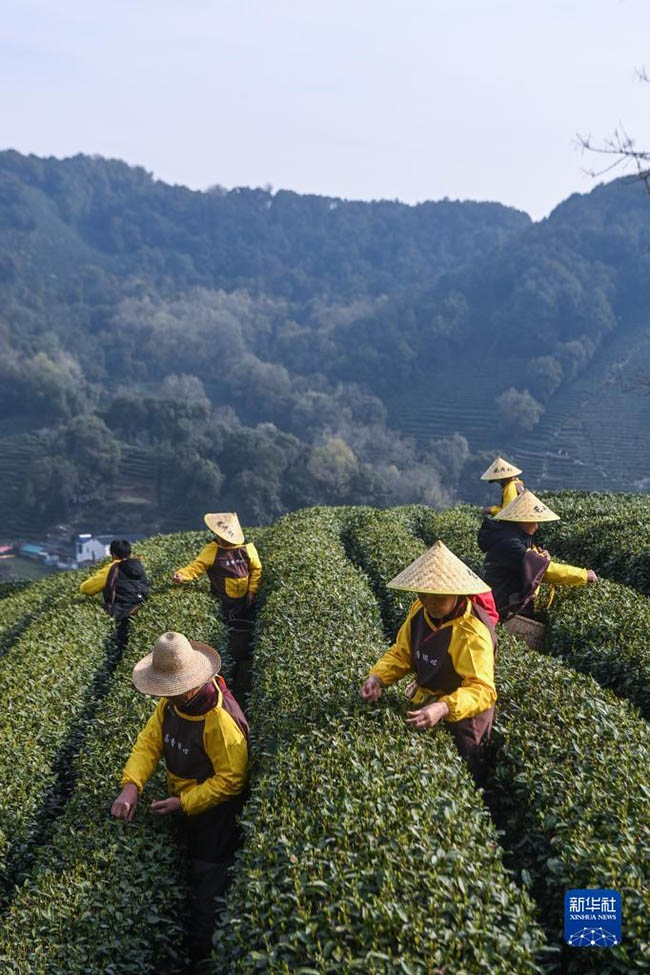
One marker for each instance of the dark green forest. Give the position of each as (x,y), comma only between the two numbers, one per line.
(164,352)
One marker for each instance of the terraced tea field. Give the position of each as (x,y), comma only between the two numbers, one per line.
(368,847)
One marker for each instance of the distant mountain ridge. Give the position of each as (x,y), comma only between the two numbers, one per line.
(281,243)
(141,323)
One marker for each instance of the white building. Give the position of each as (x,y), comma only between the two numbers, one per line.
(92,548)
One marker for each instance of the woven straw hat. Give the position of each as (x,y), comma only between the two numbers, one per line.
(225,526)
(499,469)
(175,666)
(440,572)
(526,508)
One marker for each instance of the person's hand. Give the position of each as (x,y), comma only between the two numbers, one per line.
(177,577)
(124,805)
(371,688)
(591,576)
(429,716)
(164,806)
(543,552)
(250,598)
(486,511)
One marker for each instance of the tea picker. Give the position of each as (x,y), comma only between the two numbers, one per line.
(234,569)
(514,566)
(200,731)
(123,584)
(505,474)
(448,642)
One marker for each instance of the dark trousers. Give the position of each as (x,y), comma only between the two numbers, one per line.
(122,631)
(123,613)
(213,837)
(238,617)
(232,609)
(471,736)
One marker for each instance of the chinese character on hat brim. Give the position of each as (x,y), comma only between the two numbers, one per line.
(439,572)
(225,525)
(500,469)
(526,508)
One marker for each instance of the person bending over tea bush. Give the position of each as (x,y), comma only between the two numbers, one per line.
(201,732)
(448,640)
(232,565)
(514,566)
(234,569)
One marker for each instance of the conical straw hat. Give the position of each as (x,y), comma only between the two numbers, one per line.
(175,666)
(526,508)
(441,572)
(499,469)
(225,525)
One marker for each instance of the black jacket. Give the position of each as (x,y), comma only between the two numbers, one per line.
(126,588)
(512,566)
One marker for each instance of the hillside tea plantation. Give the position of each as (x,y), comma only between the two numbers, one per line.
(367,846)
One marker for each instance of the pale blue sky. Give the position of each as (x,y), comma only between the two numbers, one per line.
(471,99)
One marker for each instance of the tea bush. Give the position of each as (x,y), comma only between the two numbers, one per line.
(606,532)
(366,846)
(43,690)
(568,788)
(604,630)
(23,605)
(9,587)
(457,528)
(105,896)
(382,543)
(49,683)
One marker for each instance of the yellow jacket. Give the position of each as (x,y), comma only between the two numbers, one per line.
(208,559)
(97,582)
(471,653)
(509,492)
(215,734)
(559,574)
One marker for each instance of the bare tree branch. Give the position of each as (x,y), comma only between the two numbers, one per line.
(621,146)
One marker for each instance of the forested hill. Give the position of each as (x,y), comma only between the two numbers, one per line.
(117,218)
(164,351)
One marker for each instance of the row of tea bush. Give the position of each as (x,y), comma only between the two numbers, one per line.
(105,896)
(366,845)
(569,760)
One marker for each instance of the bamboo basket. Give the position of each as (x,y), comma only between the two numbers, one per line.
(530,631)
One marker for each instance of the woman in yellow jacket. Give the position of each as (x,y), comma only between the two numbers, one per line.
(448,642)
(231,564)
(505,474)
(202,734)
(514,566)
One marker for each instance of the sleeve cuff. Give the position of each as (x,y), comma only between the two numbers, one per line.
(451,717)
(127,780)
